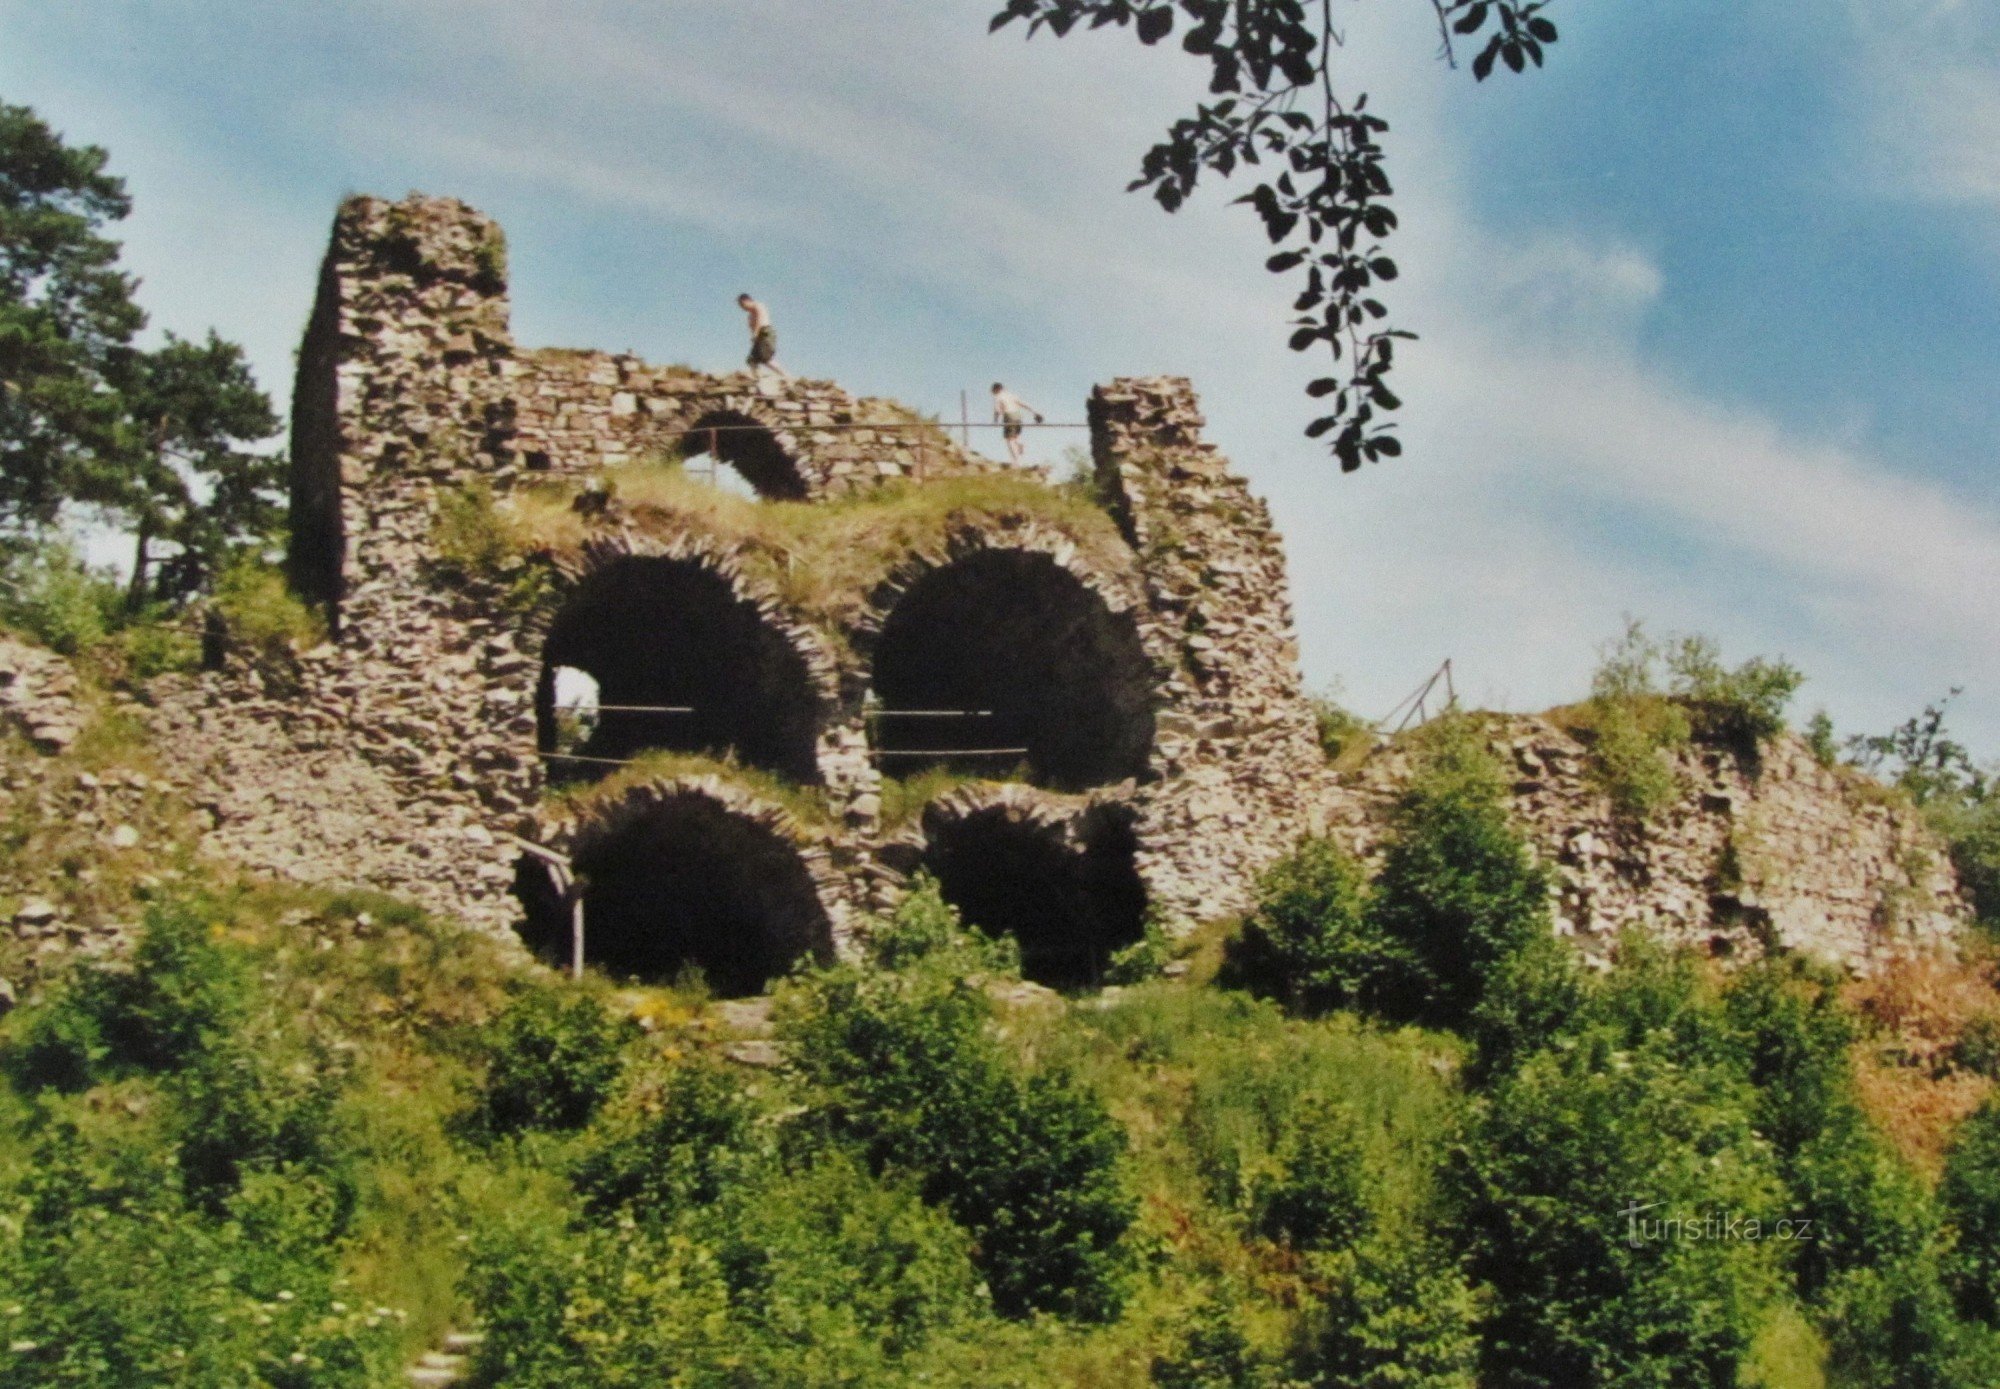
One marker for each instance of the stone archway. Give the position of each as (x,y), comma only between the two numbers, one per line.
(1059,879)
(689,872)
(1036,652)
(684,659)
(761,456)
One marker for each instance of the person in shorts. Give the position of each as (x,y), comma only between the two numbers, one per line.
(1007,410)
(763,338)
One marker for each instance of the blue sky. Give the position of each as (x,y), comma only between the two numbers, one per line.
(1710,308)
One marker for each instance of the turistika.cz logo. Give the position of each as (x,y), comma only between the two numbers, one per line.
(1707,1226)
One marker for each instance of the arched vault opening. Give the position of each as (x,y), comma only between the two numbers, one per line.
(1044,670)
(681,662)
(752,449)
(690,882)
(1067,892)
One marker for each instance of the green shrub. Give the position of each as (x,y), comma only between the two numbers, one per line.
(112,1280)
(1311,944)
(263,620)
(1820,741)
(819,1276)
(1145,958)
(1971,829)
(1628,752)
(1319,1198)
(1458,889)
(1211,1352)
(1893,1327)
(1970,1196)
(1649,696)
(683,1143)
(903,1064)
(469,541)
(260,1104)
(552,1057)
(180,992)
(1340,729)
(1741,707)
(1567,1147)
(49,592)
(1398,1314)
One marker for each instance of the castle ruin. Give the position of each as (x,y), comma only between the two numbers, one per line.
(1132,660)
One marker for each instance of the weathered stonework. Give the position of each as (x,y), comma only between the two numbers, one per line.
(406,753)
(1779,853)
(38,695)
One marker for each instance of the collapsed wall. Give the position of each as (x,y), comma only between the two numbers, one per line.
(1142,676)
(1237,755)
(1752,853)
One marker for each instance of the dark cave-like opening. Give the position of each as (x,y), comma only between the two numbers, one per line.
(1040,660)
(751,449)
(690,883)
(681,662)
(1068,904)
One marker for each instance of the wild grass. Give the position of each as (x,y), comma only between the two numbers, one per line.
(825,556)
(805,804)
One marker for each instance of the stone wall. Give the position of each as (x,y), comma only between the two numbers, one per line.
(579,412)
(1237,754)
(403,754)
(1776,852)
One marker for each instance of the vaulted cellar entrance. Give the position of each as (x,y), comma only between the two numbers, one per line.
(750,449)
(1005,657)
(680,662)
(691,881)
(1067,892)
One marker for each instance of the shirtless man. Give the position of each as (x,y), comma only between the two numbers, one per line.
(763,337)
(1007,411)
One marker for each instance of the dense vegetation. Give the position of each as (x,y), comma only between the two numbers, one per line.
(298,1137)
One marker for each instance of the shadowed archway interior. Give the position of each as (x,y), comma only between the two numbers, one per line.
(661,636)
(690,883)
(1068,902)
(751,449)
(1039,658)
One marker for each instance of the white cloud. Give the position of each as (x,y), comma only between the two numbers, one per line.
(1929,72)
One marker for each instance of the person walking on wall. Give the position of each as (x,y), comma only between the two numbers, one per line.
(763,338)
(1007,411)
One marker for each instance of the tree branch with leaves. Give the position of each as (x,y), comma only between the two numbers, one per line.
(1322,195)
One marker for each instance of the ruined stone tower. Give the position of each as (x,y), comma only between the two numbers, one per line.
(1073,704)
(1135,661)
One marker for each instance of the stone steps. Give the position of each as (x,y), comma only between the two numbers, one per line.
(448,1365)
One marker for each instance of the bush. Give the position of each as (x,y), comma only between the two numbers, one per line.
(682,1144)
(1649,696)
(262,618)
(1145,958)
(903,1065)
(50,593)
(1970,1195)
(1311,944)
(260,1105)
(469,540)
(1399,1314)
(178,995)
(114,1280)
(1563,1143)
(552,1058)
(1340,729)
(1458,888)
(1212,1353)
(1739,708)
(1971,829)
(1318,1199)
(815,1276)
